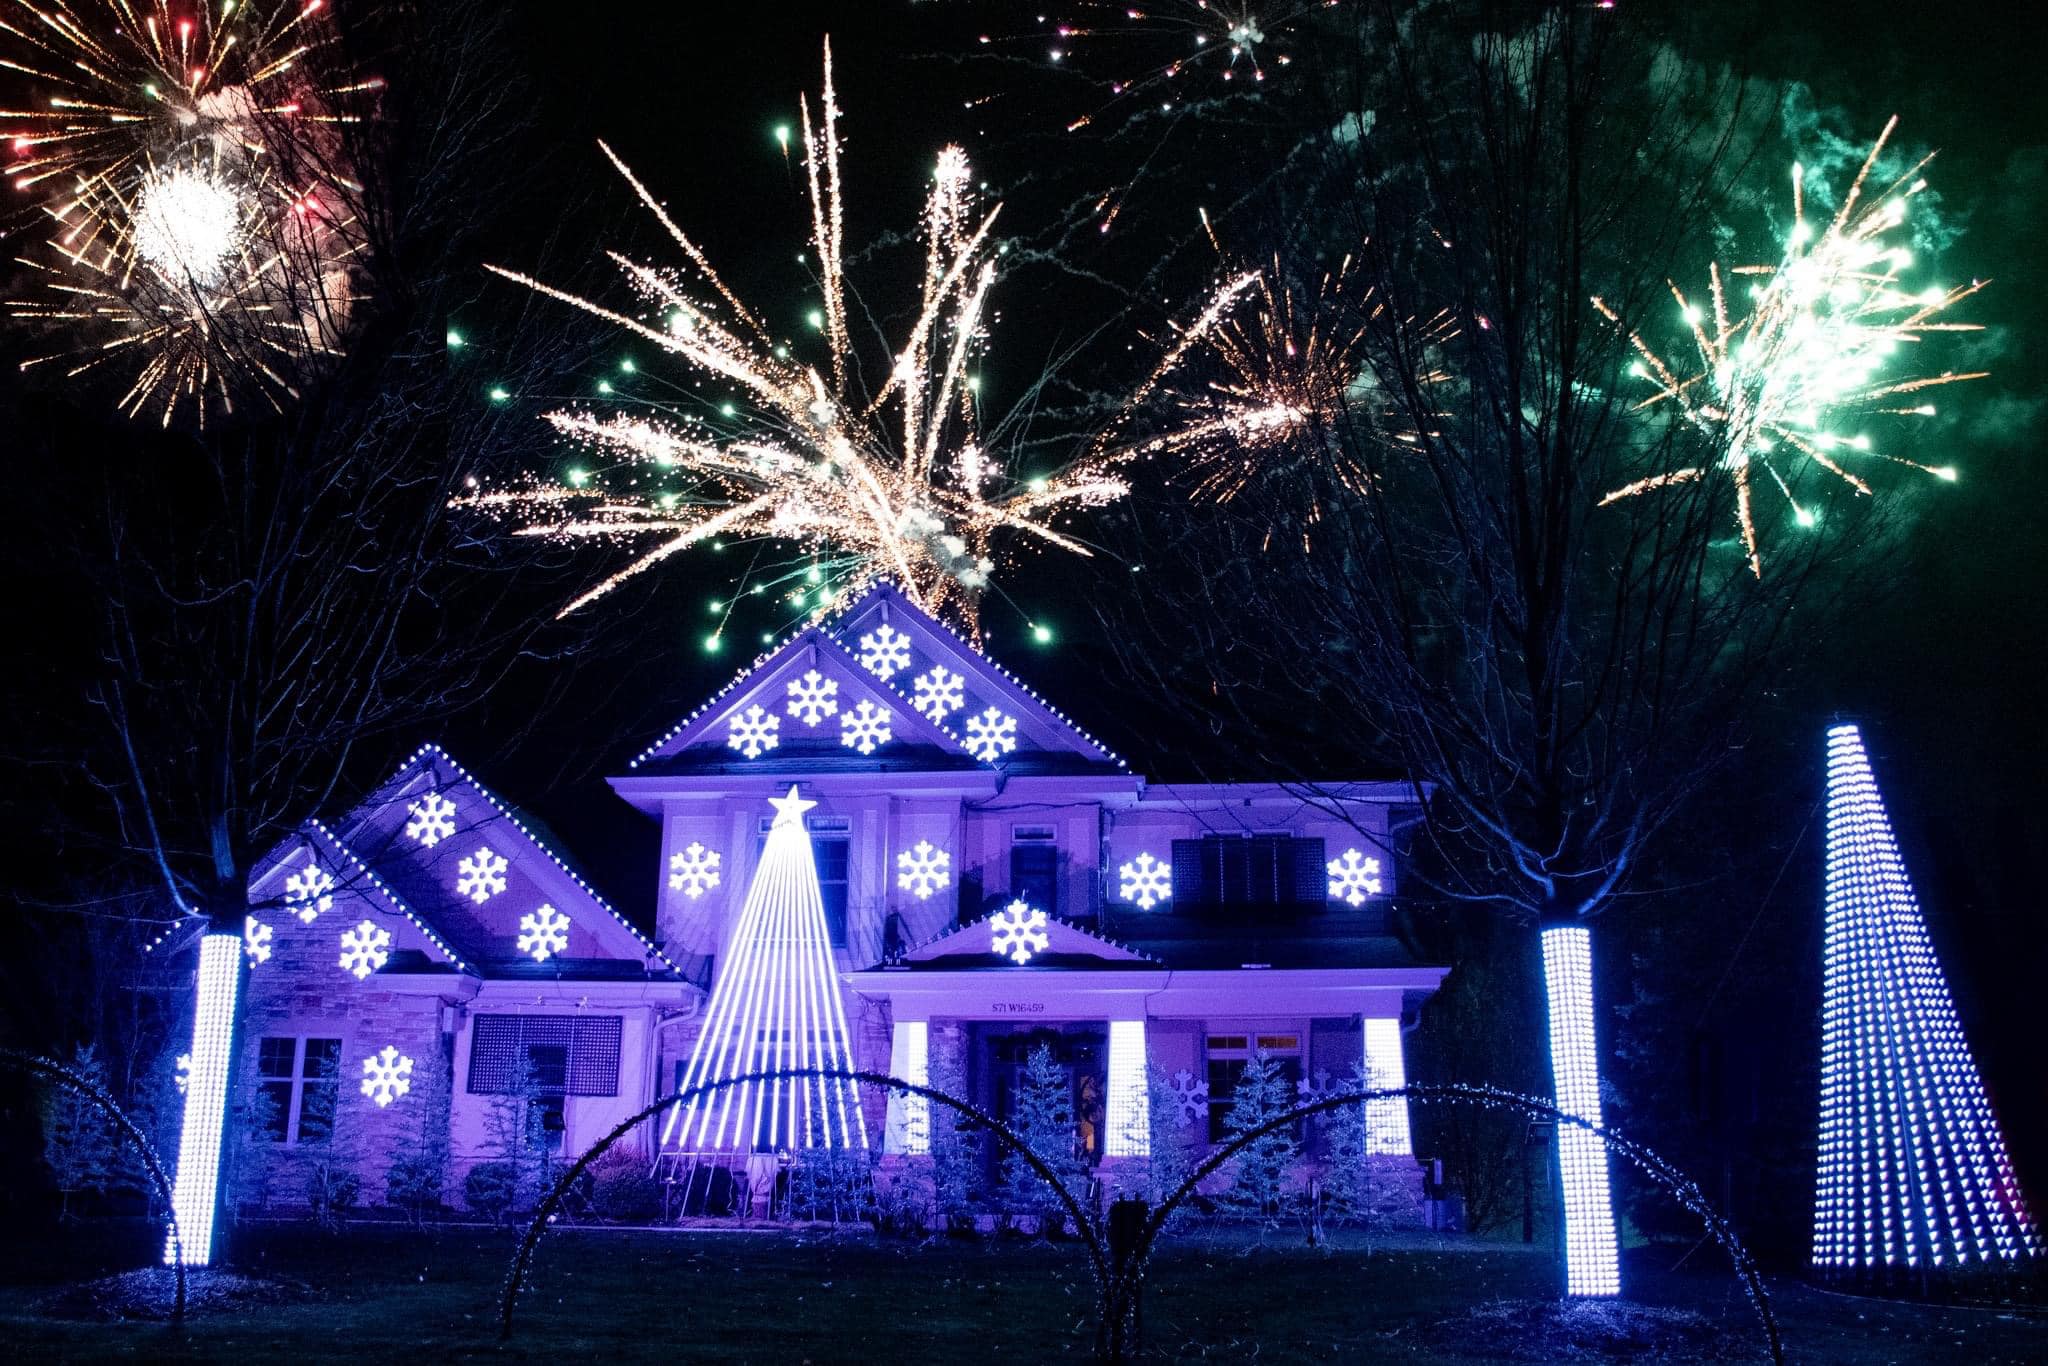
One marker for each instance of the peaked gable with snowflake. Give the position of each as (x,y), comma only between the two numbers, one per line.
(439,871)
(1019,935)
(880,685)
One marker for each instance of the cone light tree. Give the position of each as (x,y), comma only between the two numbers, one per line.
(776,1006)
(1913,1171)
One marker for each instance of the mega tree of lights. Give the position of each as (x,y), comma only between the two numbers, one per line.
(1913,1171)
(1824,328)
(776,1005)
(191,164)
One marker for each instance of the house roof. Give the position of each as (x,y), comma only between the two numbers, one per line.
(1048,942)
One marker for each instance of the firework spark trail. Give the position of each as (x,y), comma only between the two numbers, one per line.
(189,163)
(1823,326)
(864,490)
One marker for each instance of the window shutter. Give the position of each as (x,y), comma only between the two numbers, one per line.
(1192,885)
(1311,873)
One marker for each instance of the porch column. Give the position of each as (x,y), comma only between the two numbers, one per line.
(1386,1069)
(1129,1116)
(909,1129)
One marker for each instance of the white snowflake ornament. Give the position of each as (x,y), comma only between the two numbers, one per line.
(990,734)
(309,891)
(543,933)
(938,693)
(1354,877)
(1309,1090)
(864,728)
(386,1076)
(813,697)
(481,876)
(255,940)
(923,869)
(364,949)
(753,731)
(885,652)
(1146,881)
(433,819)
(1190,1098)
(183,1076)
(693,871)
(1018,932)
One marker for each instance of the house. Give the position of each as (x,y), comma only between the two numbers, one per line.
(983,877)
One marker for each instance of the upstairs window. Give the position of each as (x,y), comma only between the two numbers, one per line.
(1249,870)
(830,846)
(1035,868)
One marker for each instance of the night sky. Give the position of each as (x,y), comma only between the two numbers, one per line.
(1946,674)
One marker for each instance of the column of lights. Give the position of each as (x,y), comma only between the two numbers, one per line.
(1592,1260)
(776,1005)
(910,1060)
(195,1197)
(1385,1069)
(1912,1168)
(1130,1100)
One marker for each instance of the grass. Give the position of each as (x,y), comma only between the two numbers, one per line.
(732,1297)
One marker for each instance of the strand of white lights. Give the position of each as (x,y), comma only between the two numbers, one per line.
(1386,1119)
(1592,1264)
(1912,1167)
(195,1197)
(1130,1100)
(910,1060)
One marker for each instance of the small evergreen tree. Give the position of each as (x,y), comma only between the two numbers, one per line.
(419,1155)
(1347,1168)
(256,1131)
(1043,1119)
(326,1130)
(956,1145)
(1258,1174)
(1173,1135)
(158,1110)
(78,1136)
(516,1175)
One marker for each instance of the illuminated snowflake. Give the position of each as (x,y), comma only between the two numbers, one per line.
(255,940)
(693,871)
(1354,877)
(938,692)
(433,819)
(1309,1090)
(481,876)
(990,734)
(922,869)
(1190,1098)
(753,731)
(184,1073)
(1018,932)
(813,697)
(1146,881)
(386,1076)
(864,727)
(364,949)
(309,891)
(885,652)
(543,932)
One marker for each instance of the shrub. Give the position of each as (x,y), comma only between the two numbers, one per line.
(623,1189)
(490,1188)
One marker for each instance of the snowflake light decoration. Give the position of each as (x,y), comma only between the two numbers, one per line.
(864,728)
(693,870)
(938,693)
(1354,877)
(386,1076)
(753,731)
(1146,881)
(481,876)
(543,933)
(433,819)
(990,734)
(1018,932)
(183,1075)
(885,652)
(923,869)
(255,940)
(1321,1086)
(813,697)
(1190,1098)
(364,949)
(309,891)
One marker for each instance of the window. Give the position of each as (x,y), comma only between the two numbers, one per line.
(569,1055)
(1035,868)
(1228,1053)
(300,1082)
(829,852)
(1249,870)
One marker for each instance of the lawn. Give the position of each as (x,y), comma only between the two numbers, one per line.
(774,1297)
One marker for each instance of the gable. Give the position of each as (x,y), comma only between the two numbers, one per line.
(950,705)
(1017,936)
(315,906)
